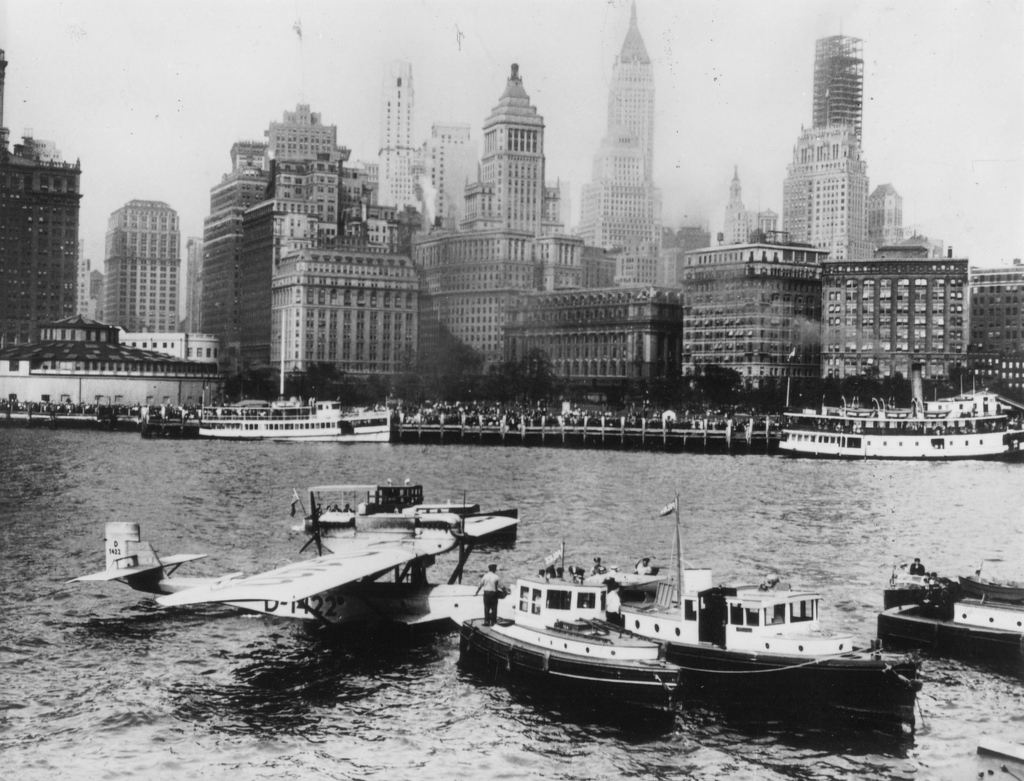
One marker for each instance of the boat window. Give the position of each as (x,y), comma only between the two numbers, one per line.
(753,617)
(559,600)
(535,607)
(690,611)
(778,615)
(736,615)
(524,599)
(853,442)
(586,599)
(802,610)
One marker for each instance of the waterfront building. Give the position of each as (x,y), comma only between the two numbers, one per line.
(824,196)
(396,151)
(354,306)
(176,344)
(142,267)
(510,240)
(81,361)
(601,335)
(193,284)
(753,307)
(620,206)
(243,186)
(997,309)
(39,201)
(885,216)
(449,160)
(885,313)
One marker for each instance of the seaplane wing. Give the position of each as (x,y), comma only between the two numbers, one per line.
(479,526)
(301,579)
(128,566)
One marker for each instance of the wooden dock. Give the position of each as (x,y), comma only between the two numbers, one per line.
(608,436)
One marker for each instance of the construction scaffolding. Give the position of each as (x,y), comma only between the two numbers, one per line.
(838,82)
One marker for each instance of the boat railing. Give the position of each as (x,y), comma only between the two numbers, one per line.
(898,426)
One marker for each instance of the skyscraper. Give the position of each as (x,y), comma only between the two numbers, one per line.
(739,223)
(838,82)
(396,151)
(39,198)
(885,216)
(143,261)
(824,197)
(449,158)
(621,207)
(193,285)
(511,239)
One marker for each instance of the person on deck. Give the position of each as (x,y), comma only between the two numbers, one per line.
(492,587)
(598,568)
(643,566)
(917,568)
(613,605)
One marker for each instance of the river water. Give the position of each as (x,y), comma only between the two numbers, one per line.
(96,682)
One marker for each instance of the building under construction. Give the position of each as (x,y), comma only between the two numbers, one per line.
(838,82)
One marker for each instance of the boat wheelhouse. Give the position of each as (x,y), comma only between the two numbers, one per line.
(318,421)
(969,426)
(764,644)
(557,638)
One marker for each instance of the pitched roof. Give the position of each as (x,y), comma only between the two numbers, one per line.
(633,49)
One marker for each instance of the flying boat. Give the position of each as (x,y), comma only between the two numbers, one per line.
(374,573)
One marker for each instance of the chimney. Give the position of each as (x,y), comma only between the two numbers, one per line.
(1016,261)
(916,384)
(949,252)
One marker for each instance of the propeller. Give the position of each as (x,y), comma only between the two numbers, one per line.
(314,517)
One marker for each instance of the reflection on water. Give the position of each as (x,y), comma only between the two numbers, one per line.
(98,677)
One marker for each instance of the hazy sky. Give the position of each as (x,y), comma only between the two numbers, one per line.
(151,95)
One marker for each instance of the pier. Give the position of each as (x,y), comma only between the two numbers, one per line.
(603,434)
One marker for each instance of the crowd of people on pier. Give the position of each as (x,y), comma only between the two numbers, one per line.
(514,416)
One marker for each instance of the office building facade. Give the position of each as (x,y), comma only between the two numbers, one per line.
(997,309)
(142,267)
(898,308)
(885,217)
(396,152)
(754,307)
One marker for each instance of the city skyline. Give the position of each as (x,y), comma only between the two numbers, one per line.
(151,97)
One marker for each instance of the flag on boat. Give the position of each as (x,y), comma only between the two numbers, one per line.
(669,508)
(558,554)
(295,501)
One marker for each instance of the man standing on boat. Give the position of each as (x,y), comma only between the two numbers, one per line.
(917,568)
(492,586)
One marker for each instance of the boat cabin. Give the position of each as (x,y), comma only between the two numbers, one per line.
(547,603)
(368,499)
(753,618)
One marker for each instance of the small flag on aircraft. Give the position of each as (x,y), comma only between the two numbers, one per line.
(295,501)
(669,508)
(558,554)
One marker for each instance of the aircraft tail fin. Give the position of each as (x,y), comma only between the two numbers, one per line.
(134,560)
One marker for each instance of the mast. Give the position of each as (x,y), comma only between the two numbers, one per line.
(281,392)
(679,559)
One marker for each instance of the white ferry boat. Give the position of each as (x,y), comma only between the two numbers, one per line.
(317,421)
(972,425)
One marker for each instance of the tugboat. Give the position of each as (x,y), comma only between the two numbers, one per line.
(763,645)
(558,640)
(950,620)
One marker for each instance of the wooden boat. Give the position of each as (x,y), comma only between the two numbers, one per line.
(973,586)
(763,645)
(905,589)
(951,624)
(557,640)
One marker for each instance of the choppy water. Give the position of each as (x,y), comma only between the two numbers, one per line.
(97,683)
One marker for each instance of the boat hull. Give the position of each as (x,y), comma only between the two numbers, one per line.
(973,588)
(877,691)
(908,626)
(605,683)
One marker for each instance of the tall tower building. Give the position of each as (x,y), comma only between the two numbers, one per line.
(193,285)
(826,189)
(740,223)
(620,207)
(143,261)
(838,82)
(396,151)
(245,185)
(39,198)
(449,160)
(511,240)
(631,96)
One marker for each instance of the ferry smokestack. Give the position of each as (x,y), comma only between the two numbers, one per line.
(916,384)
